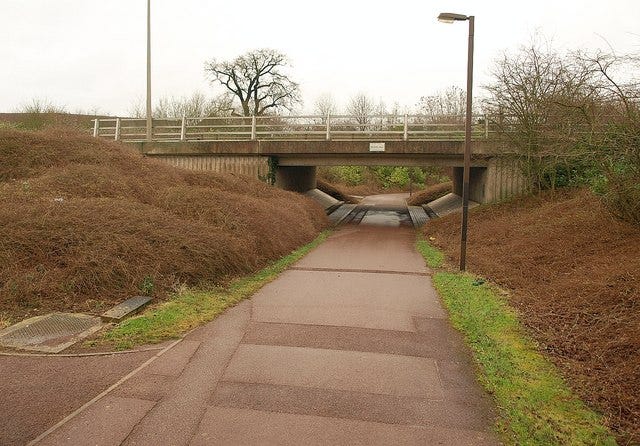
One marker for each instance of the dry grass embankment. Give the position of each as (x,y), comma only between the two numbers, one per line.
(573,274)
(335,191)
(430,193)
(86,223)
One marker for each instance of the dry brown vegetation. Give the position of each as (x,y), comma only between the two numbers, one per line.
(430,193)
(574,274)
(359,190)
(336,192)
(86,223)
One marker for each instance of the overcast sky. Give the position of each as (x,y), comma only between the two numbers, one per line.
(88,54)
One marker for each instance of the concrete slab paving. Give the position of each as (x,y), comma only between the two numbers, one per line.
(349,347)
(38,392)
(145,386)
(438,343)
(336,369)
(225,426)
(411,294)
(346,317)
(107,423)
(173,362)
(368,248)
(353,405)
(175,418)
(222,426)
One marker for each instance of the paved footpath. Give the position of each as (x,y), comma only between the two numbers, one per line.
(349,346)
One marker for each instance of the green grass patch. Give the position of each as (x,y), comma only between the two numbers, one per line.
(535,405)
(432,256)
(192,307)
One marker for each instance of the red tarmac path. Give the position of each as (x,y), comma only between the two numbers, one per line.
(349,346)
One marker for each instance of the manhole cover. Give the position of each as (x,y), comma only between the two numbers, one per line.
(51,333)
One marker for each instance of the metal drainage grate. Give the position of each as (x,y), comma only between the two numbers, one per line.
(340,214)
(50,333)
(418,215)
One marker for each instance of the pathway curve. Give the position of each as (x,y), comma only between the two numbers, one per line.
(349,346)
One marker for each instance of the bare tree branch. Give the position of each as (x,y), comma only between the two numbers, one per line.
(256,79)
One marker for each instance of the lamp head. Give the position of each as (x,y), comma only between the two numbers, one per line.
(450,17)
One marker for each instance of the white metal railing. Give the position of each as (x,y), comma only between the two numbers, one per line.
(295,128)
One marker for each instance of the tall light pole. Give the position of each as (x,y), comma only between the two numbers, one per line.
(448,17)
(149,121)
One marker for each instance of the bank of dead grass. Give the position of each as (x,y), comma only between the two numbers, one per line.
(573,273)
(335,191)
(86,223)
(430,193)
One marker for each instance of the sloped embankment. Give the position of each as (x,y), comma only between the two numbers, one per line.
(574,275)
(85,223)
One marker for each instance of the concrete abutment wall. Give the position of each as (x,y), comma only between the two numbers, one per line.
(252,166)
(497,179)
(500,179)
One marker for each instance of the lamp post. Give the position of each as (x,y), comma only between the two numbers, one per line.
(149,121)
(448,17)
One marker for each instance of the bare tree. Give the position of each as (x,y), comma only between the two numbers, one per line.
(197,105)
(448,105)
(616,118)
(541,99)
(573,119)
(325,105)
(361,107)
(257,79)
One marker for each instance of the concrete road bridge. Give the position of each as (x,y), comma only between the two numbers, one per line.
(296,145)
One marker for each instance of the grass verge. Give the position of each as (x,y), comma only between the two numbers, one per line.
(432,256)
(192,307)
(535,405)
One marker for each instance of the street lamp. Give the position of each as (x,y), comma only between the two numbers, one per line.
(149,122)
(448,17)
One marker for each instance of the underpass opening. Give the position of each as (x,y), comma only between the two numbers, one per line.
(381,193)
(303,178)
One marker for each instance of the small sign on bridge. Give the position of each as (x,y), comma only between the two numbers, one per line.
(376,147)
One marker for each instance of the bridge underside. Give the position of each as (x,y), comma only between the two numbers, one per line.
(492,178)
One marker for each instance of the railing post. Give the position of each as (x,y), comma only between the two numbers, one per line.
(96,127)
(183,128)
(486,126)
(328,126)
(117,135)
(253,128)
(406,127)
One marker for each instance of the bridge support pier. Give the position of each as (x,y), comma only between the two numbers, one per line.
(296,178)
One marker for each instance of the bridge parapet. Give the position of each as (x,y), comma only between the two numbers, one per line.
(295,128)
